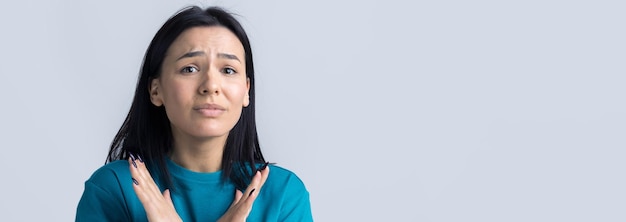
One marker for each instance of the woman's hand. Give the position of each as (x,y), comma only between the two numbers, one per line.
(242,205)
(159,207)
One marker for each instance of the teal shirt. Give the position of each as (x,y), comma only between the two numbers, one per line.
(109,196)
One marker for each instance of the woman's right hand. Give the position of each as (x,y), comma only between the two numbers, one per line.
(158,206)
(242,205)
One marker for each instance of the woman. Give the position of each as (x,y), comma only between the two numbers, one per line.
(188,149)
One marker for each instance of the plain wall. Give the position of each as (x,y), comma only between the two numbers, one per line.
(387,110)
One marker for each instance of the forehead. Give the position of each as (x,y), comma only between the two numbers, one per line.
(211,39)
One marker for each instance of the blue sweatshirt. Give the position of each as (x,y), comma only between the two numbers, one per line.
(109,196)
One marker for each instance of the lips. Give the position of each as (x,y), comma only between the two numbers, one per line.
(209,110)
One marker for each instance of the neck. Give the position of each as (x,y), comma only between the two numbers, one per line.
(199,155)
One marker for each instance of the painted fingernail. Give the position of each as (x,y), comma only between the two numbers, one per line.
(135,181)
(252,191)
(132,158)
(264,166)
(140,159)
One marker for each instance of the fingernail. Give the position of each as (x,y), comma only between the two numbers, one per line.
(140,159)
(264,166)
(252,191)
(135,181)
(132,158)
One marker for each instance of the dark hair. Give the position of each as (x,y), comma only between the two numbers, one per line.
(146,130)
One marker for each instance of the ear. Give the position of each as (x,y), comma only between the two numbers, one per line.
(155,94)
(246,98)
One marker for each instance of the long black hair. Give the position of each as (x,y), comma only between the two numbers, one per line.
(146,130)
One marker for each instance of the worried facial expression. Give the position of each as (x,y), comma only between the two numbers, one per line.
(203,84)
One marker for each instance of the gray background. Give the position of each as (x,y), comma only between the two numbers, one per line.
(388,110)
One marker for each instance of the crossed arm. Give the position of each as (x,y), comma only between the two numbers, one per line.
(159,206)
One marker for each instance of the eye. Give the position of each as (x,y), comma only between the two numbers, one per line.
(189,69)
(229,71)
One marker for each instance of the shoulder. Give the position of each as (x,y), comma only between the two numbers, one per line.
(107,194)
(113,179)
(285,180)
(111,174)
(285,196)
(282,173)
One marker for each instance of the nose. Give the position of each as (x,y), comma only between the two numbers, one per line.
(210,83)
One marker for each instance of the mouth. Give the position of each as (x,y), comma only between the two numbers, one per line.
(209,110)
(208,106)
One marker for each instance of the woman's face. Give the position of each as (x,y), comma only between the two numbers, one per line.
(203,83)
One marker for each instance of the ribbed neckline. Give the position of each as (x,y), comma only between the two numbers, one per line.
(181,173)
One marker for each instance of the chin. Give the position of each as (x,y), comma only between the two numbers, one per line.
(208,133)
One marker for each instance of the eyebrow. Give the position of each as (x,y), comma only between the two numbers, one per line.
(192,54)
(201,53)
(228,56)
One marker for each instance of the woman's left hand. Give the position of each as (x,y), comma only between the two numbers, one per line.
(242,205)
(158,206)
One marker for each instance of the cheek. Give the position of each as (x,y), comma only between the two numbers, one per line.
(176,94)
(237,92)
